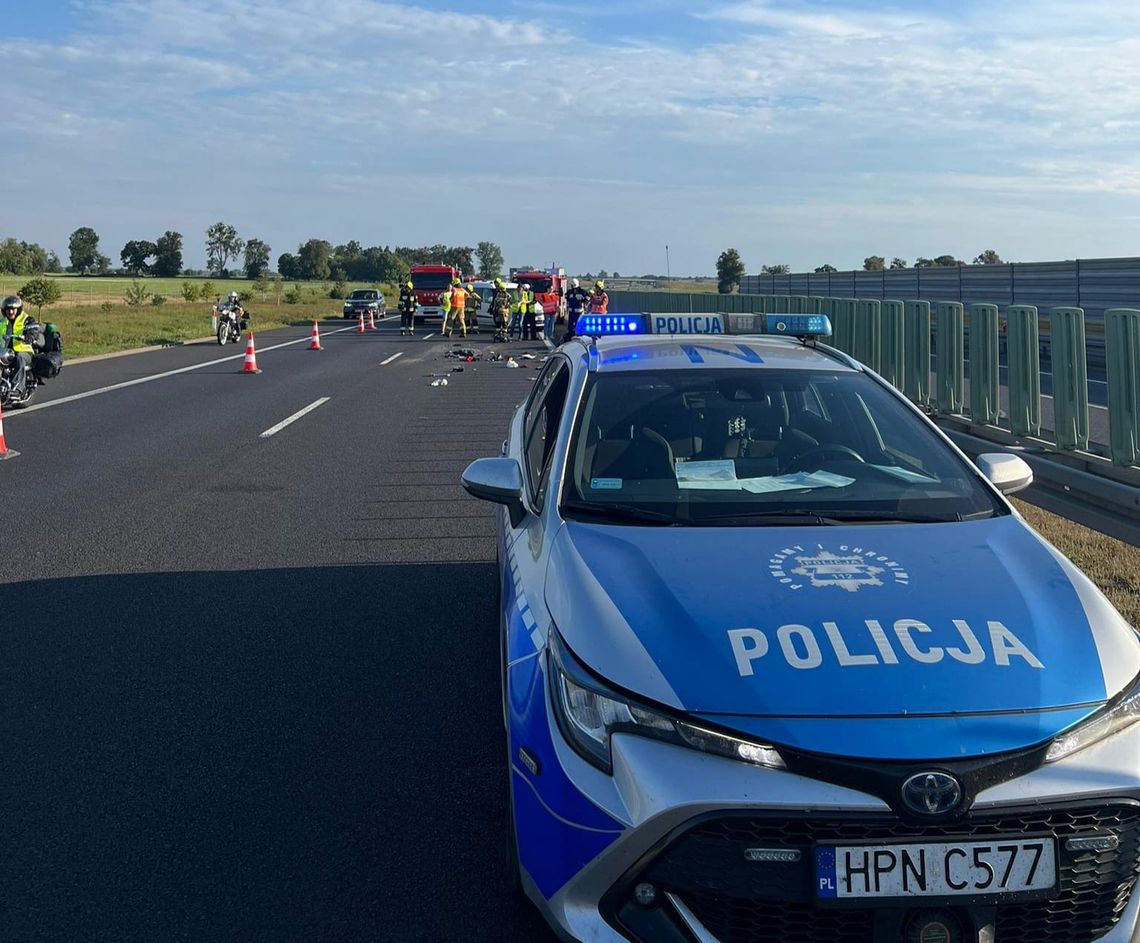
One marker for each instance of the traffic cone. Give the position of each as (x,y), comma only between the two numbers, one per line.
(250,365)
(315,339)
(372,319)
(5,452)
(360,324)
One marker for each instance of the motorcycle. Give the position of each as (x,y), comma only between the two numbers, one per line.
(47,361)
(230,325)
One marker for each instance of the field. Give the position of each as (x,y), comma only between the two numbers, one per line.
(94,318)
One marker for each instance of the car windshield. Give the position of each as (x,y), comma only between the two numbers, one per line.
(431,281)
(760,447)
(364,294)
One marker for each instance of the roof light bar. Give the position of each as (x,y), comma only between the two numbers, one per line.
(618,325)
(601,325)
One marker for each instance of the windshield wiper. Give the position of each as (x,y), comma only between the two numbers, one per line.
(623,514)
(791,517)
(905,517)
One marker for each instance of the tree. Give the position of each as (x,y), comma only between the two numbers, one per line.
(988,257)
(24,258)
(41,292)
(168,254)
(826,267)
(729,272)
(256,258)
(874,263)
(222,244)
(896,262)
(83,250)
(922,262)
(781,269)
(490,258)
(946,261)
(136,294)
(287,265)
(134,256)
(313,260)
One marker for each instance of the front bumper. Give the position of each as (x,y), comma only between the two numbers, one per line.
(680,820)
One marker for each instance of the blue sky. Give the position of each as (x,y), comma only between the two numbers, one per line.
(584,132)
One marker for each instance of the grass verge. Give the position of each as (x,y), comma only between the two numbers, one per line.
(1112,564)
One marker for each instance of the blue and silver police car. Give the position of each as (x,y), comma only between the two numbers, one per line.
(779,663)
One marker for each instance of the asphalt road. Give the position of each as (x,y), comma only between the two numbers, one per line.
(249,685)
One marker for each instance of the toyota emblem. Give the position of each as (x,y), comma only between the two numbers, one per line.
(931,793)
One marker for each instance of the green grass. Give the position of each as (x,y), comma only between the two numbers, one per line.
(93,316)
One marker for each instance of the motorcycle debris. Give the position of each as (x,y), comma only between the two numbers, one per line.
(456,369)
(526,356)
(439,383)
(512,363)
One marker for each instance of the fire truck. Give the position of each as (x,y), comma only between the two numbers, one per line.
(549,287)
(428,283)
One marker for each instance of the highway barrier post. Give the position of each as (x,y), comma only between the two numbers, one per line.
(985,389)
(951,356)
(892,350)
(1122,359)
(916,358)
(1023,354)
(1070,377)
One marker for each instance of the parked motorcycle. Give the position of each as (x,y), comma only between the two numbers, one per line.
(47,360)
(230,325)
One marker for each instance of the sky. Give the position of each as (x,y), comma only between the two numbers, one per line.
(587,133)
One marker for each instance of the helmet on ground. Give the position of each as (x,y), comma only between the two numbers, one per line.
(233,296)
(573,283)
(600,284)
(13,301)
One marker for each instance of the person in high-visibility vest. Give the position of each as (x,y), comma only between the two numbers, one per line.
(577,298)
(458,298)
(407,308)
(527,313)
(599,300)
(445,308)
(12,337)
(500,310)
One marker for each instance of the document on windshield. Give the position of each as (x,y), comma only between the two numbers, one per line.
(720,475)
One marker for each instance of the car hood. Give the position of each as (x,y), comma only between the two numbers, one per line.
(977,629)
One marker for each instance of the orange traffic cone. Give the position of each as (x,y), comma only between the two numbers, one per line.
(5,452)
(360,324)
(315,339)
(372,319)
(250,365)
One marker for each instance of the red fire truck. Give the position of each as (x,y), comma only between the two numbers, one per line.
(428,283)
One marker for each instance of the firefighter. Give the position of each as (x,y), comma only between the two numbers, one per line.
(458,298)
(599,300)
(577,298)
(444,309)
(407,307)
(500,310)
(527,313)
(471,311)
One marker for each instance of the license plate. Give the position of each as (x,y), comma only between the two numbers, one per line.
(942,869)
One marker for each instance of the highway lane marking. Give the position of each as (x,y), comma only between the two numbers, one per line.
(385,363)
(429,335)
(158,376)
(273,430)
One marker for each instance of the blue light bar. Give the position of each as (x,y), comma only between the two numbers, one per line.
(602,325)
(799,325)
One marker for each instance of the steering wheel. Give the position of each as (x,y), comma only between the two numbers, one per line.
(835,451)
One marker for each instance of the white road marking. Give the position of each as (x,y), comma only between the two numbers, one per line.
(429,335)
(273,430)
(385,363)
(158,376)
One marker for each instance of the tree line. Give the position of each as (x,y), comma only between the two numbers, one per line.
(315,259)
(730,267)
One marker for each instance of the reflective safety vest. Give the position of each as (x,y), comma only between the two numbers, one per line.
(15,329)
(525,303)
(501,302)
(458,298)
(576,300)
(445,301)
(599,303)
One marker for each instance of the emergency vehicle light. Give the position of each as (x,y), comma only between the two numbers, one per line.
(601,325)
(799,325)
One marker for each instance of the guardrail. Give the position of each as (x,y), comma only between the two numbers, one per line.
(894,338)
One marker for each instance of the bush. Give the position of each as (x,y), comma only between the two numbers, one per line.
(136,295)
(189,291)
(106,306)
(293,295)
(206,291)
(158,300)
(262,284)
(338,289)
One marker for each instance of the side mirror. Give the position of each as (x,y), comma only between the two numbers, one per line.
(499,480)
(1008,473)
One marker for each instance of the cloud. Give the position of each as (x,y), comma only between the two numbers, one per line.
(358,110)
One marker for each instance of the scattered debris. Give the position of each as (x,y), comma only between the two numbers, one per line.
(528,357)
(512,363)
(456,369)
(439,382)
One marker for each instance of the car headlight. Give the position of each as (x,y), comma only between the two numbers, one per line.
(1112,719)
(588,714)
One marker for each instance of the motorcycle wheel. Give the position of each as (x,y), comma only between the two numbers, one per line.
(26,400)
(223,333)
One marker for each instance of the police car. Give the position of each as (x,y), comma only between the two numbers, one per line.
(780,664)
